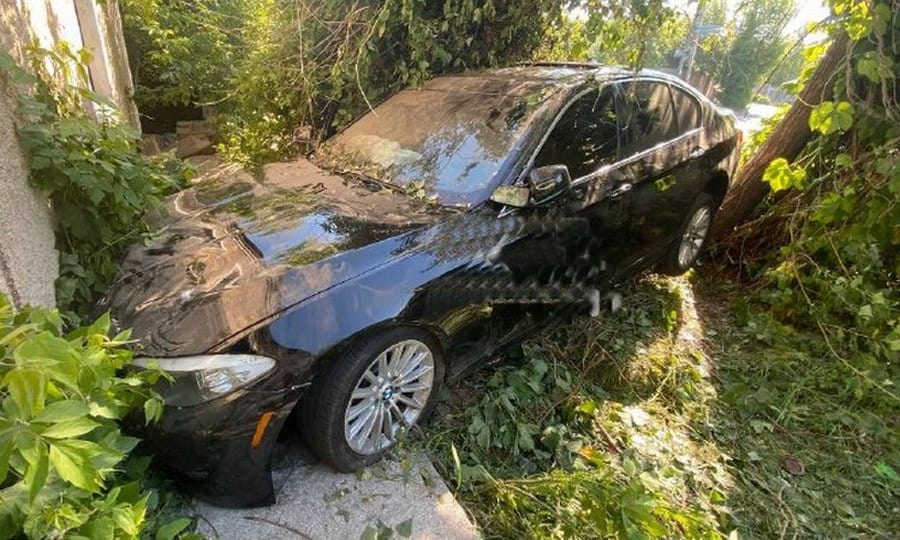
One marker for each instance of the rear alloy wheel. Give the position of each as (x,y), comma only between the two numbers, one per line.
(691,238)
(361,403)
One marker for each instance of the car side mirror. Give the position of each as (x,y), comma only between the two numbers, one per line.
(548,182)
(544,184)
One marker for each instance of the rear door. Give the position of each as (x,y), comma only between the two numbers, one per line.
(660,150)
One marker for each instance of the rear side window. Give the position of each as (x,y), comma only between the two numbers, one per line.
(648,116)
(686,109)
(586,136)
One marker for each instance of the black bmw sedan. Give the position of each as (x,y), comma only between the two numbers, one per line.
(348,287)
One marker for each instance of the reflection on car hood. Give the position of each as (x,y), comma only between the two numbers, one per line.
(234,250)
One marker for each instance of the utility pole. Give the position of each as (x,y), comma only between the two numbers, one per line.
(694,39)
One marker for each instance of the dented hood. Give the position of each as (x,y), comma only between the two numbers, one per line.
(234,250)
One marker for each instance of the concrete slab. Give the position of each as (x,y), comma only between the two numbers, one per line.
(405,495)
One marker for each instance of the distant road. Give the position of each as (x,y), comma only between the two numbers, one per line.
(751,119)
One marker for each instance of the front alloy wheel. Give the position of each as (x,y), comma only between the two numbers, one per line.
(364,399)
(389,396)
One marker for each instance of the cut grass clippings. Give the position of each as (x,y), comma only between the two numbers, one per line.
(669,419)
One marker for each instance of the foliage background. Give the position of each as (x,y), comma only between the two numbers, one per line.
(751,43)
(295,63)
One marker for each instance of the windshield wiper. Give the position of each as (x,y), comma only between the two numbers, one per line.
(369,181)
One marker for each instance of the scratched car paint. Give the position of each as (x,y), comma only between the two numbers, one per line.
(323,285)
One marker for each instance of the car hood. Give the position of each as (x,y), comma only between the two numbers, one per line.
(234,250)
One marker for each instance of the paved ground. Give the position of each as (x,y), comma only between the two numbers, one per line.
(407,496)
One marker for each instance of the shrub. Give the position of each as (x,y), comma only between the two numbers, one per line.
(62,453)
(291,63)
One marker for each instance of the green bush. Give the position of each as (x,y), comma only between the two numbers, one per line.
(89,169)
(272,66)
(62,454)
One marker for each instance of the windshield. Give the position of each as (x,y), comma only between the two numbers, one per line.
(447,140)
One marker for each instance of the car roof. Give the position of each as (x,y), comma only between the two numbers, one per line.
(534,75)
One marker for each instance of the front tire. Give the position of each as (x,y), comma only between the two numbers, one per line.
(379,387)
(692,237)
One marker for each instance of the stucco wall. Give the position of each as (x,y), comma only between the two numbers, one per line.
(28,259)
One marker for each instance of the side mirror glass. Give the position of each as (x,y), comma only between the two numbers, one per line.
(548,182)
(544,184)
(515,196)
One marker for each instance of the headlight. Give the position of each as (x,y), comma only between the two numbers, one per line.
(202,378)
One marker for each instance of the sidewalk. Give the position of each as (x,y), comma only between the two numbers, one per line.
(405,499)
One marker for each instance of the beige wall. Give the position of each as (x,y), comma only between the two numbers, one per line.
(28,259)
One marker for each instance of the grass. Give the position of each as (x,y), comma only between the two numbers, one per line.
(677,416)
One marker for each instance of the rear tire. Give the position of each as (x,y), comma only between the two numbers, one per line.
(692,237)
(376,389)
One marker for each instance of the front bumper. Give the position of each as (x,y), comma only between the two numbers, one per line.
(223,448)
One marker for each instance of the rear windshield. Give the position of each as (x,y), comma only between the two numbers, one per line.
(450,138)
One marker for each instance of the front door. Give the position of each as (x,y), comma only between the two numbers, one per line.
(586,141)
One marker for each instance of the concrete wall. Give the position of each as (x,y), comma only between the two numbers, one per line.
(28,259)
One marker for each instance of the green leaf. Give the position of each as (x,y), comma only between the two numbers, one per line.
(881,17)
(42,348)
(125,520)
(70,428)
(780,175)
(100,326)
(103,409)
(404,529)
(172,529)
(101,528)
(153,410)
(869,67)
(74,464)
(885,470)
(61,411)
(12,502)
(865,312)
(843,160)
(28,388)
(525,441)
(828,118)
(36,475)
(6,448)
(7,63)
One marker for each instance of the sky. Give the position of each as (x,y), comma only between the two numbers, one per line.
(808,11)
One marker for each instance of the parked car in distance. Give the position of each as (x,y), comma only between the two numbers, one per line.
(347,288)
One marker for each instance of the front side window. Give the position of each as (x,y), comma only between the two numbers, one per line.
(648,116)
(586,136)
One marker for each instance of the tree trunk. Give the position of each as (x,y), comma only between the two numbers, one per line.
(786,141)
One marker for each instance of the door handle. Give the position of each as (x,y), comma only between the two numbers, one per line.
(697,152)
(620,190)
